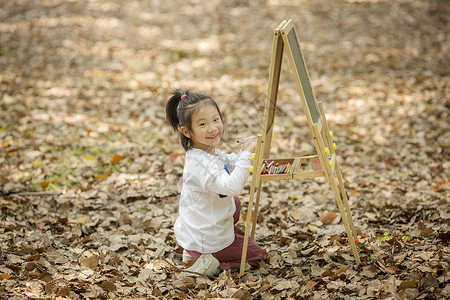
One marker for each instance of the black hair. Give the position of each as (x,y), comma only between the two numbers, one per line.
(180,108)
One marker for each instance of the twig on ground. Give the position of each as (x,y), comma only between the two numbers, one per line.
(178,269)
(33,194)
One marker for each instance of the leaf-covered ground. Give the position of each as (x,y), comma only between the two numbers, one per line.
(90,172)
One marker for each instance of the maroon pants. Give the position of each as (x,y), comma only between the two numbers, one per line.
(230,257)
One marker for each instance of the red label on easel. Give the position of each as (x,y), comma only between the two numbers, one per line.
(317,166)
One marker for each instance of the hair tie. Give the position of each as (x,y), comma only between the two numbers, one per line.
(183,96)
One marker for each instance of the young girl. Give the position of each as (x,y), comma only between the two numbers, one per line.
(209,207)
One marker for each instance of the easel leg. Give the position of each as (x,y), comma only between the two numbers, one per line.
(256,209)
(247,230)
(350,234)
(345,198)
(339,191)
(255,187)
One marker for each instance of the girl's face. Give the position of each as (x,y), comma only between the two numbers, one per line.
(207,129)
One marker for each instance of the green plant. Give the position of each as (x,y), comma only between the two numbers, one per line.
(374,257)
(406,238)
(10,212)
(386,237)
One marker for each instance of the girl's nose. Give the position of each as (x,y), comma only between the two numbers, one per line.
(212,127)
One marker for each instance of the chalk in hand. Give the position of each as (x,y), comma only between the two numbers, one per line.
(240,142)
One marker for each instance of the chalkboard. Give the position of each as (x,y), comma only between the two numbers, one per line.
(302,73)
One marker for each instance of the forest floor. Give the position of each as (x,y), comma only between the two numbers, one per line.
(90,171)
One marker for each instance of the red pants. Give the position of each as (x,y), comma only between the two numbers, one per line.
(230,257)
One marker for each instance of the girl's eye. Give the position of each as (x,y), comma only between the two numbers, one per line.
(216,120)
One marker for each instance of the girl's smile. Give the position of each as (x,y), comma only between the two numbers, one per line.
(214,137)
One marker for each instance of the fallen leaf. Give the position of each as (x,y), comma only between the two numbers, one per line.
(100,177)
(391,270)
(242,294)
(427,282)
(426,232)
(108,286)
(313,227)
(63,292)
(403,175)
(47,277)
(407,284)
(34,257)
(328,217)
(337,238)
(285,241)
(117,158)
(31,266)
(90,157)
(91,262)
(80,220)
(311,284)
(369,271)
(185,283)
(45,184)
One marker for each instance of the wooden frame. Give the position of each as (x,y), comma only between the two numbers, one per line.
(325,162)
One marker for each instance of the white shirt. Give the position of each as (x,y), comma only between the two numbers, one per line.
(205,223)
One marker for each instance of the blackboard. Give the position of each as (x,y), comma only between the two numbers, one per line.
(302,73)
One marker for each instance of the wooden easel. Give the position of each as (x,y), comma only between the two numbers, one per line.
(324,164)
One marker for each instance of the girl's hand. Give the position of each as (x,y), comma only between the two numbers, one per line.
(249,144)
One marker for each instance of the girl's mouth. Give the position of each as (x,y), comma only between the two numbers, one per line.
(214,137)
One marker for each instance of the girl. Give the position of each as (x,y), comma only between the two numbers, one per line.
(209,209)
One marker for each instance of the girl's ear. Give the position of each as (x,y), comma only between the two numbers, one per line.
(185,132)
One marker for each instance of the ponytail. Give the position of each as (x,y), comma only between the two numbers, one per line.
(171,109)
(179,110)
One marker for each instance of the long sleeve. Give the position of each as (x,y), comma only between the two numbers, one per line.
(231,184)
(229,158)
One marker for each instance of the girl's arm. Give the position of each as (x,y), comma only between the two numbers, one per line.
(231,184)
(229,159)
(248,144)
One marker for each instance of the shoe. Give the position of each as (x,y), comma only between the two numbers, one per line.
(187,258)
(206,264)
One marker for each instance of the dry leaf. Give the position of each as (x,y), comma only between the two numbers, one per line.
(242,294)
(311,284)
(91,262)
(44,184)
(369,271)
(427,282)
(108,286)
(391,270)
(117,158)
(426,232)
(328,217)
(63,292)
(407,284)
(34,257)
